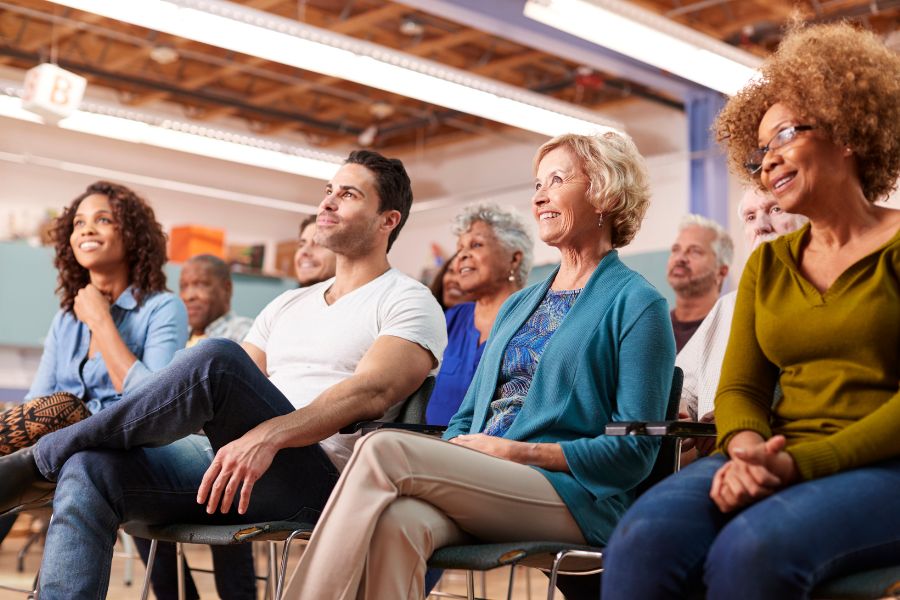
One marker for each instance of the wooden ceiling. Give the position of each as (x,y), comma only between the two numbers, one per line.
(146,68)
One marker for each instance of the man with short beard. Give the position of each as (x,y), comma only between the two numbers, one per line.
(701,358)
(696,270)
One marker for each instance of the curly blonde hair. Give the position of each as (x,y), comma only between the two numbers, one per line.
(619,181)
(844,81)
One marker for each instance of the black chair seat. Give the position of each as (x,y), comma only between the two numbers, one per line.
(877,583)
(539,555)
(218,535)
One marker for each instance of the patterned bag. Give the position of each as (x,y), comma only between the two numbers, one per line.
(22,425)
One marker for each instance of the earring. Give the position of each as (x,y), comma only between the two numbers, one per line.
(512,276)
(600,221)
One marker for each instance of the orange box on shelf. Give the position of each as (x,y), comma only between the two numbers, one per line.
(186,241)
(284,257)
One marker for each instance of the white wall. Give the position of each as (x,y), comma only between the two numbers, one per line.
(486,170)
(27,191)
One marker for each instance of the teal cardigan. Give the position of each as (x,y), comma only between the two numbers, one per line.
(611,359)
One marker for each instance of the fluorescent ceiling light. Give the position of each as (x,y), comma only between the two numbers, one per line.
(171,185)
(108,122)
(286,41)
(651,39)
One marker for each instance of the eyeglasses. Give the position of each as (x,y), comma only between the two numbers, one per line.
(782,138)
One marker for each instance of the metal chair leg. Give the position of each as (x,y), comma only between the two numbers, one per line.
(554,572)
(470,585)
(145,590)
(512,576)
(179,556)
(527,584)
(272,571)
(130,551)
(31,541)
(279,588)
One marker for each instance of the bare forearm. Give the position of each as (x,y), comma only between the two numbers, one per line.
(546,456)
(340,405)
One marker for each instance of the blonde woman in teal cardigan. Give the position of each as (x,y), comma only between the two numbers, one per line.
(525,457)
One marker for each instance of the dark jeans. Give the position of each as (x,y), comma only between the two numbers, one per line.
(133,461)
(674,540)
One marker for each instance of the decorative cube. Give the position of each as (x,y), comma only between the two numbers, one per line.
(51,92)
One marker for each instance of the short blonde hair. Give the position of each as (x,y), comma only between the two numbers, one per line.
(619,182)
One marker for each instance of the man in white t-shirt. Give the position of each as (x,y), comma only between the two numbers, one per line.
(315,360)
(701,358)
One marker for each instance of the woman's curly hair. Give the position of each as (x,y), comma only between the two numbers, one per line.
(844,81)
(142,237)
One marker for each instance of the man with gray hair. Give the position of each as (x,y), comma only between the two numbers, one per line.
(701,358)
(696,270)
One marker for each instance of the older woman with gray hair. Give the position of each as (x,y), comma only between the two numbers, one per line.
(525,457)
(493,257)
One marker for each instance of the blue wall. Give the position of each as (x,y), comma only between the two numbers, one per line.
(28,303)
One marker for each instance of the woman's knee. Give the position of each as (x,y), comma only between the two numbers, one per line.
(412,523)
(749,555)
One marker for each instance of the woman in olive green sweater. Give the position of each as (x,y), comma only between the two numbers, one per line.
(804,490)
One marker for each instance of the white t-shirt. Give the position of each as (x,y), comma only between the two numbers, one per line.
(311,345)
(701,358)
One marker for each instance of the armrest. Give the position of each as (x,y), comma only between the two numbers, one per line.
(625,428)
(681,429)
(369,426)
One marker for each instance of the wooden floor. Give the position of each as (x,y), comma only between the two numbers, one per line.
(199,557)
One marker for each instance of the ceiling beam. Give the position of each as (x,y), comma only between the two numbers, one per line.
(347,26)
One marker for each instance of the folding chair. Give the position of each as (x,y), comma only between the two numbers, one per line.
(867,585)
(411,412)
(549,556)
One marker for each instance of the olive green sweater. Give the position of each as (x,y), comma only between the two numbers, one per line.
(836,355)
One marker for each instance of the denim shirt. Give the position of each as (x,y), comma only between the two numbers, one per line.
(153,332)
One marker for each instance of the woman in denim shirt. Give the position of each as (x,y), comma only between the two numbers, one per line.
(117,323)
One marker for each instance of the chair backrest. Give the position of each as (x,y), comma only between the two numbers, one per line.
(667,458)
(413,409)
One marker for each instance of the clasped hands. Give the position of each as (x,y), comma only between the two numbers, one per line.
(757,468)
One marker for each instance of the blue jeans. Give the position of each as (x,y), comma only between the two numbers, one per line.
(133,461)
(674,540)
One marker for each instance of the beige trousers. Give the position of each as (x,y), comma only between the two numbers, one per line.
(404,495)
